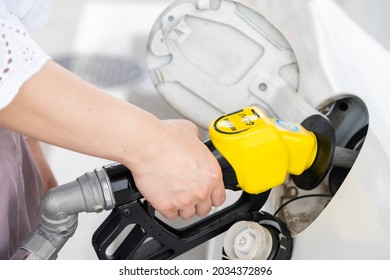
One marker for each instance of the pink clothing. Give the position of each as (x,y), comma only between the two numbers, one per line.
(20,192)
(20,182)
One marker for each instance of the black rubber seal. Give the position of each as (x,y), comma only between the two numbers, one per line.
(325,134)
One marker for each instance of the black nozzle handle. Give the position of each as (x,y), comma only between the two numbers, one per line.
(152,238)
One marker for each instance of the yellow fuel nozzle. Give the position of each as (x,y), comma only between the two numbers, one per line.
(262,150)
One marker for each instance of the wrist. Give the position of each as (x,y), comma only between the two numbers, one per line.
(140,137)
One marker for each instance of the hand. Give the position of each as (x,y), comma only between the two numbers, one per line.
(177,173)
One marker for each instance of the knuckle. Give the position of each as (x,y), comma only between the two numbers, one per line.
(187,214)
(185,201)
(204,194)
(203,212)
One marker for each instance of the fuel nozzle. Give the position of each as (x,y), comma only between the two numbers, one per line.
(263,151)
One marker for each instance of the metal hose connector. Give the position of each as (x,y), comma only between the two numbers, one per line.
(58,214)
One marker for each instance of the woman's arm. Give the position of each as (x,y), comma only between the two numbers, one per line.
(172,168)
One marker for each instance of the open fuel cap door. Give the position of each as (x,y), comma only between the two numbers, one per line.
(208,58)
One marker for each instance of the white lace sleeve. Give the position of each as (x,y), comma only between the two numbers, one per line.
(20,56)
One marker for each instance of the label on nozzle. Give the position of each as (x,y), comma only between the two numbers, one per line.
(237,122)
(289,126)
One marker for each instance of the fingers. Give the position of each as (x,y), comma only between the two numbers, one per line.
(218,196)
(187,213)
(170,215)
(202,200)
(202,208)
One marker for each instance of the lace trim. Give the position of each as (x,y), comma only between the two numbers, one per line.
(27,53)
(20,58)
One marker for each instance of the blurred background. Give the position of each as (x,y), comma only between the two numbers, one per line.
(104,42)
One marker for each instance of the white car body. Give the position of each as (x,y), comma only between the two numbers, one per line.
(336,58)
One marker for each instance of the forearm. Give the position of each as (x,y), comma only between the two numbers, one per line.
(53,101)
(174,171)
